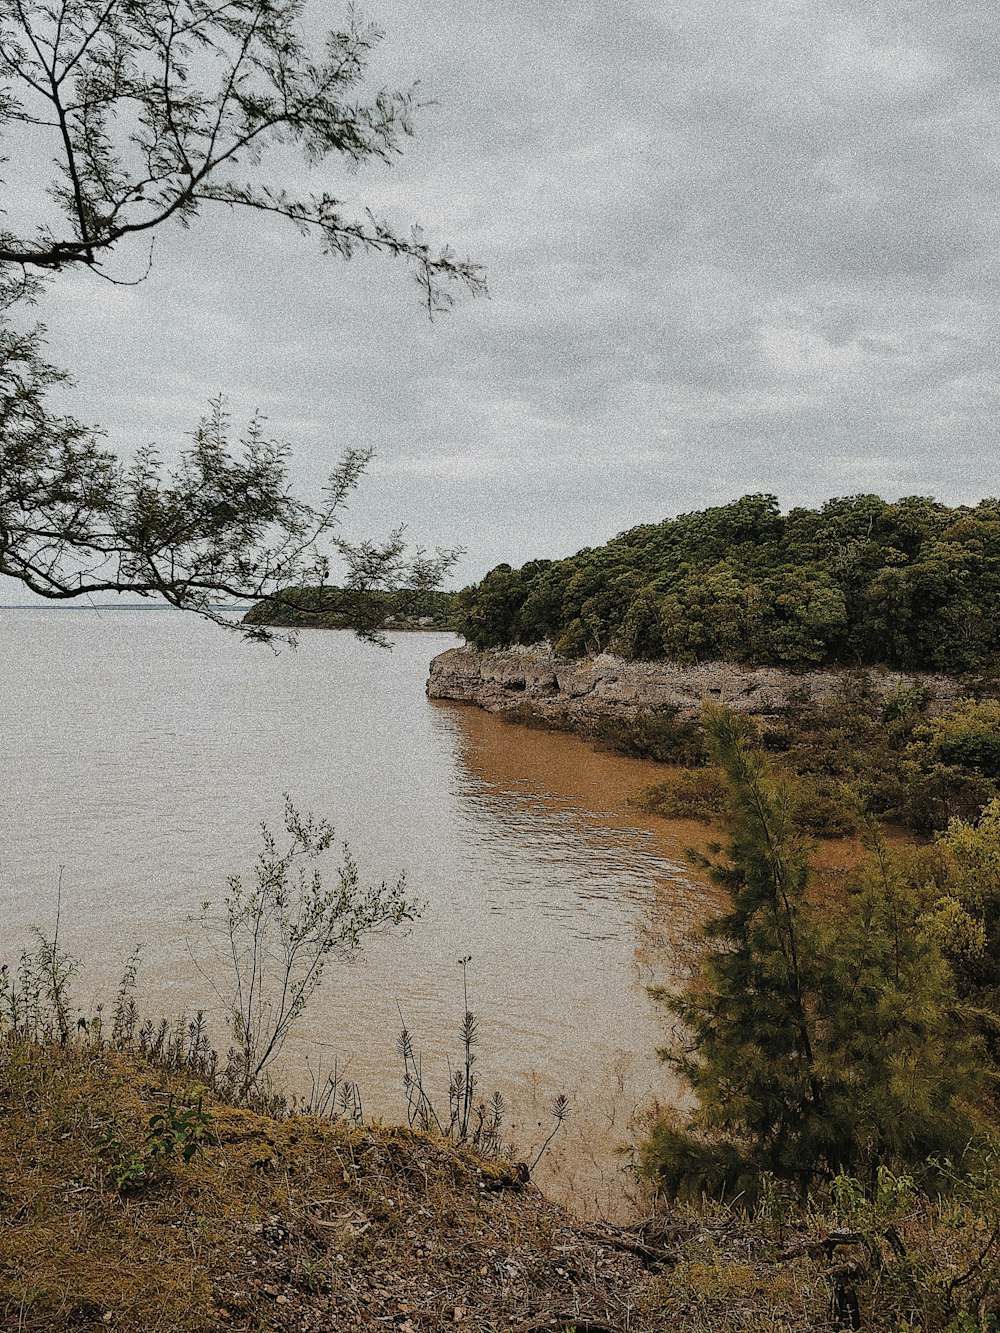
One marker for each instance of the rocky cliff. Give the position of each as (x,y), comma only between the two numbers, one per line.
(580,691)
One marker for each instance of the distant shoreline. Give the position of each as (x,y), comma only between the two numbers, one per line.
(104,606)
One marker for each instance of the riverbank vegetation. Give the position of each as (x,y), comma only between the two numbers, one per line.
(138,1194)
(838,1168)
(915,768)
(847,1049)
(365,610)
(150,1182)
(914,584)
(136,1198)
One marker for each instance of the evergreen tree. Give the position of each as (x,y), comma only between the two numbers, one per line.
(817,1041)
(965,918)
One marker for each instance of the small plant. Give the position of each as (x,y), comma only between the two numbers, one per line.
(35,1003)
(462,1082)
(849,1198)
(331,1097)
(279,931)
(775,1201)
(182,1132)
(314,1276)
(560,1113)
(127,1167)
(465,1121)
(476,1122)
(125,1015)
(176,1133)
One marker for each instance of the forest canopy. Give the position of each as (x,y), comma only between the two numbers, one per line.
(859,581)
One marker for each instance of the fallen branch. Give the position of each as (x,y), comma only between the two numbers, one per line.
(566,1323)
(649,1254)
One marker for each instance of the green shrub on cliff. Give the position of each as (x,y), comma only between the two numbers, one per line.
(913,584)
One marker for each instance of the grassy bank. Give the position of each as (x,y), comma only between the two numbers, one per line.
(283,1223)
(302,1223)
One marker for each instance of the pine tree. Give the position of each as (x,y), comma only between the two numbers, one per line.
(817,1040)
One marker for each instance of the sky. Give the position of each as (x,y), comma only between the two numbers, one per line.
(731,247)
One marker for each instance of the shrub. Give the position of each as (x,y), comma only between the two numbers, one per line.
(662,736)
(278,932)
(686,793)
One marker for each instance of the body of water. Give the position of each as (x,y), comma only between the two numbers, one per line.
(140,753)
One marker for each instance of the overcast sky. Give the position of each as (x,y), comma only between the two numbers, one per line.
(732,246)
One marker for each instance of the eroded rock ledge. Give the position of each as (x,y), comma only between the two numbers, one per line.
(580,691)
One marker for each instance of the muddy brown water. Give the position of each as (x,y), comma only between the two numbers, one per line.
(140,751)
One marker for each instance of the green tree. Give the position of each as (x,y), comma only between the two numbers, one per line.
(710,613)
(808,616)
(856,582)
(952,763)
(966,916)
(489,617)
(641,635)
(154,111)
(814,1043)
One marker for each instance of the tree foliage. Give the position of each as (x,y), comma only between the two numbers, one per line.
(816,1041)
(913,584)
(961,888)
(153,112)
(279,931)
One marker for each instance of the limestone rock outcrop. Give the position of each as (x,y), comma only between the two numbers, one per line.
(581,691)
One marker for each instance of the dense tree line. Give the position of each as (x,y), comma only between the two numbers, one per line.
(365,610)
(912,584)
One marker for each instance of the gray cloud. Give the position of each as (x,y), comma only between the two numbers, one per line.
(732,247)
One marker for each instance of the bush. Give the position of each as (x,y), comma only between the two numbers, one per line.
(662,736)
(686,793)
(952,764)
(824,809)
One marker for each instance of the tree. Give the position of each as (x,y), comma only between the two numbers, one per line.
(816,1042)
(951,764)
(857,582)
(966,918)
(156,110)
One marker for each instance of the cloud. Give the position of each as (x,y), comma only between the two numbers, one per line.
(731,247)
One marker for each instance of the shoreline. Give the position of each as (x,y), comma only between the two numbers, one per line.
(577,694)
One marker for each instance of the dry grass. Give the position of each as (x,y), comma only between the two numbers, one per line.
(930,1267)
(300,1224)
(289,1224)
